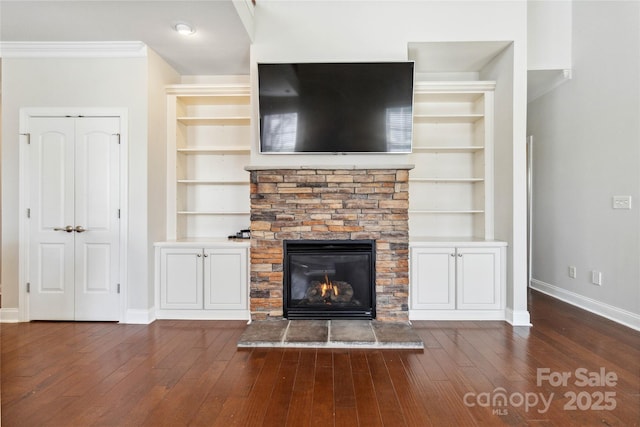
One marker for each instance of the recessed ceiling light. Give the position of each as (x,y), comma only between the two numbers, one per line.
(184,29)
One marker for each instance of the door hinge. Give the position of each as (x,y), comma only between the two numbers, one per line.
(28,135)
(28,287)
(28,212)
(118,287)
(118,135)
(118,213)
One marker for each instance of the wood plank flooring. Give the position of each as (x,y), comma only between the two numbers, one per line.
(174,373)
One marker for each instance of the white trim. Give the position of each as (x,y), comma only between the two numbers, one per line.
(457,315)
(203,314)
(124,49)
(9,315)
(245,9)
(139,317)
(23,224)
(618,315)
(518,318)
(459,86)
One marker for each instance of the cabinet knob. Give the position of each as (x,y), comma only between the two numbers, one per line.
(199,255)
(206,255)
(452,254)
(460,255)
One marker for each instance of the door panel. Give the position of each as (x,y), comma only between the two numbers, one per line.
(225,273)
(433,273)
(51,259)
(478,272)
(74,182)
(96,211)
(181,278)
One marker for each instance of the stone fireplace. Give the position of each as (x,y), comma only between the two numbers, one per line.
(329,279)
(330,203)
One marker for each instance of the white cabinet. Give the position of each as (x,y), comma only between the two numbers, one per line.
(457,282)
(225,279)
(433,278)
(181,278)
(451,186)
(478,278)
(208,131)
(202,282)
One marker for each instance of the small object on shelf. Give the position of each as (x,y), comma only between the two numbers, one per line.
(242,234)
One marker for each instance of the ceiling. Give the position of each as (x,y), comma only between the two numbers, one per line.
(220,45)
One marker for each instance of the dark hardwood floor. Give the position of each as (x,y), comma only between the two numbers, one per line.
(175,373)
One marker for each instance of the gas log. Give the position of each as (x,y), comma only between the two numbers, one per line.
(329,292)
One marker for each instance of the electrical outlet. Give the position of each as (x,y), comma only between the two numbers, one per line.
(621,202)
(572,272)
(596,278)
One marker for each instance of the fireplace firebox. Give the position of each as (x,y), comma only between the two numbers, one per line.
(329,279)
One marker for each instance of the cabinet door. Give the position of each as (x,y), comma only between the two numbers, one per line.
(181,278)
(478,278)
(433,278)
(225,279)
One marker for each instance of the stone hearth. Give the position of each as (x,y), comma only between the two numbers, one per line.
(331,334)
(330,203)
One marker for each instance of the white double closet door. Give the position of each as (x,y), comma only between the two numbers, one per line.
(73,260)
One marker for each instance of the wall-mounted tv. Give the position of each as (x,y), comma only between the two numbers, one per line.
(336,107)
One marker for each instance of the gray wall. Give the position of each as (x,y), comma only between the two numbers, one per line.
(586,150)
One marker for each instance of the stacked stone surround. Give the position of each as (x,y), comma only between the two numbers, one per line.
(330,203)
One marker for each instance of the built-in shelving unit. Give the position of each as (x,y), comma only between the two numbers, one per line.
(451,186)
(457,269)
(208,146)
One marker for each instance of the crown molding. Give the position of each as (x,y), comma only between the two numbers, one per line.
(125,49)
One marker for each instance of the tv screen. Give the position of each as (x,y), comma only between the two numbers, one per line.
(336,107)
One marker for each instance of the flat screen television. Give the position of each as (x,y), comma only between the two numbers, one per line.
(336,107)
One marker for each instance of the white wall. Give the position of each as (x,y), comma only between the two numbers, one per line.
(549,34)
(381,30)
(57,82)
(160,74)
(586,150)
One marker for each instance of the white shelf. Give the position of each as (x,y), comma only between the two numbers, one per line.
(211,182)
(445,149)
(213,99)
(441,212)
(448,96)
(214,150)
(214,121)
(451,186)
(211,213)
(443,180)
(447,118)
(208,145)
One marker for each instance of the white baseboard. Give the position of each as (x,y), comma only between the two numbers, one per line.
(610,312)
(203,314)
(457,315)
(9,315)
(139,317)
(518,318)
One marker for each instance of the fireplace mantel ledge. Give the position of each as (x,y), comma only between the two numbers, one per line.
(330,167)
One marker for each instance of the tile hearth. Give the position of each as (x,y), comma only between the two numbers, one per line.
(330,334)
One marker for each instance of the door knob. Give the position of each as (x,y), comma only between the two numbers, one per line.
(79,229)
(68,229)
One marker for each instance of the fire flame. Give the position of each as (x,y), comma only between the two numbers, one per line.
(327,286)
